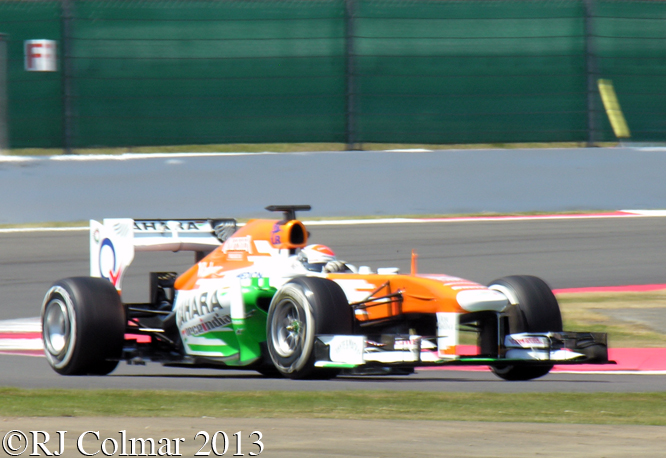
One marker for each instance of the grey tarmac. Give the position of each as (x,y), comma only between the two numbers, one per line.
(565,253)
(342,183)
(34,372)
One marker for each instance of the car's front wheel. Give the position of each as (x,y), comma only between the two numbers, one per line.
(300,310)
(83,326)
(533,308)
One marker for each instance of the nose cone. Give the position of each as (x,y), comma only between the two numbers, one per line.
(479,300)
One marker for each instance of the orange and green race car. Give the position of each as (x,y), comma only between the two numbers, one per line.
(260,297)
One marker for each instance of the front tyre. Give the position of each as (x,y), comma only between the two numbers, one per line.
(300,310)
(533,308)
(83,326)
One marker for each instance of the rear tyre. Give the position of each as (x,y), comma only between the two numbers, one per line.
(301,309)
(533,308)
(83,326)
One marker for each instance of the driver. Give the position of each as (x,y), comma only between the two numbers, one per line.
(320,258)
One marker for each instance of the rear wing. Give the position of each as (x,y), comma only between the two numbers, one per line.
(113,242)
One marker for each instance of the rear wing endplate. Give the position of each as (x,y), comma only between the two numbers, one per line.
(114,241)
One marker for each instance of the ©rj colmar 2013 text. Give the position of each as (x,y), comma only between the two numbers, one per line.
(91,443)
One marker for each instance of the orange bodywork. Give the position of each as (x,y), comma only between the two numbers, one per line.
(373,296)
(391,295)
(234,253)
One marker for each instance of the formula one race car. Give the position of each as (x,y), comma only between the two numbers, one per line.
(258,297)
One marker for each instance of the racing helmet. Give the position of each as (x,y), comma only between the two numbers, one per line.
(315,257)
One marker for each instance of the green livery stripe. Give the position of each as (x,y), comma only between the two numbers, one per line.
(482,360)
(219,335)
(220,349)
(335,365)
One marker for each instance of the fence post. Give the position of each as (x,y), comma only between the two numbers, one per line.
(66,18)
(4,129)
(350,130)
(591,70)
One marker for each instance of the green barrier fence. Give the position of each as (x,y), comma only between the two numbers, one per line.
(170,72)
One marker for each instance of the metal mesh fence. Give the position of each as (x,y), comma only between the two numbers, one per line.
(34,100)
(169,72)
(471,72)
(208,72)
(630,43)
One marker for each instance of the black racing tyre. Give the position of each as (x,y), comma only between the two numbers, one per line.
(533,308)
(269,372)
(301,309)
(83,326)
(265,366)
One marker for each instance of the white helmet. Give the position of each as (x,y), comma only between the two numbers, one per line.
(315,257)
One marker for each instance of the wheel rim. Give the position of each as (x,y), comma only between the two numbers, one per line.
(288,328)
(57,329)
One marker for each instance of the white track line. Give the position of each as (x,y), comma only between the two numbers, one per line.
(122,157)
(21,325)
(654,213)
(467,219)
(21,344)
(461,219)
(43,229)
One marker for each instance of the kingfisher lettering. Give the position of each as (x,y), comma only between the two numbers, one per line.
(206,324)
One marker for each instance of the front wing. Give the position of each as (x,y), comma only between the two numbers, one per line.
(337,351)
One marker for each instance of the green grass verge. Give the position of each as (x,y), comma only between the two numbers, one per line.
(593,312)
(290,148)
(584,408)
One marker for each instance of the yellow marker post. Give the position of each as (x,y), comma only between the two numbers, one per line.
(613,109)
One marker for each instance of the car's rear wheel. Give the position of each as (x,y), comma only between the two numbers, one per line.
(533,308)
(300,310)
(83,326)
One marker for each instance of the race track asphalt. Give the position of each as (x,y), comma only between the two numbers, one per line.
(349,183)
(34,372)
(566,253)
